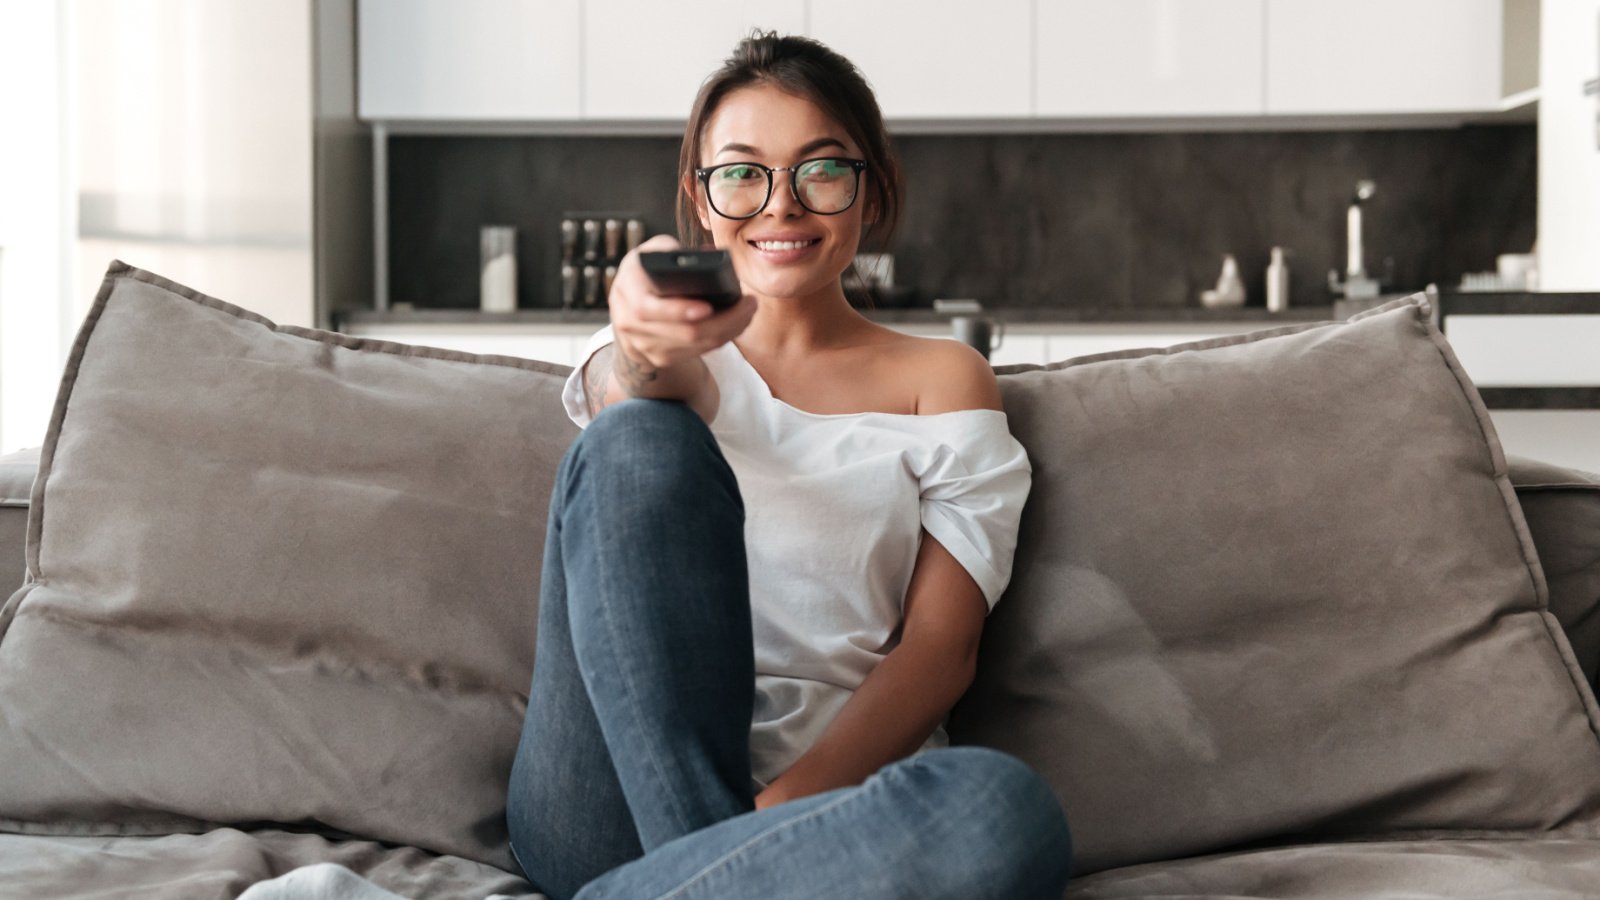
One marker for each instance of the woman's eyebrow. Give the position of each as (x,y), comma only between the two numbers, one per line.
(811,147)
(820,143)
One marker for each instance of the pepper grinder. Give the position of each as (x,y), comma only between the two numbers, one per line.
(613,231)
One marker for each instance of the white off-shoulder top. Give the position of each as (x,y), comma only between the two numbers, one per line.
(834,511)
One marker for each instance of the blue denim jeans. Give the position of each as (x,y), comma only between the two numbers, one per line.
(632,778)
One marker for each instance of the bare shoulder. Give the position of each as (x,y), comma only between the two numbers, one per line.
(951,376)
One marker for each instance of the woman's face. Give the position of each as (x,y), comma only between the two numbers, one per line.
(785,250)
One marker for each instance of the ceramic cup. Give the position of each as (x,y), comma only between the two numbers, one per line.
(981,334)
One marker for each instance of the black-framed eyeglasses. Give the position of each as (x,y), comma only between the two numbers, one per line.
(826,185)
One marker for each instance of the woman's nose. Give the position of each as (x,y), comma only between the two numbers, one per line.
(783,203)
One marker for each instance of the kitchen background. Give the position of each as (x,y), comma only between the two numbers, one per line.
(1077,220)
(1078,166)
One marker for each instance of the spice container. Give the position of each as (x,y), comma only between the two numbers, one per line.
(593,243)
(613,231)
(570,287)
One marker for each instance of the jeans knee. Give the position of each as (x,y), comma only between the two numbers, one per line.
(1014,809)
(650,446)
(644,417)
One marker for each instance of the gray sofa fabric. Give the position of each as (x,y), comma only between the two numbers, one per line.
(1562,507)
(1561,504)
(17,470)
(1271,589)
(1544,868)
(223,863)
(1279,585)
(279,575)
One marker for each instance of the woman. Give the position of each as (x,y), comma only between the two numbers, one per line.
(884,491)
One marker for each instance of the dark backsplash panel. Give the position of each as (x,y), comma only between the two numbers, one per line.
(442,189)
(1022,220)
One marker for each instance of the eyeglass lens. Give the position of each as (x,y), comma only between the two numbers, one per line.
(824,186)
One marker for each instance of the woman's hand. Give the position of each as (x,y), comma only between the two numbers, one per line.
(772,795)
(655,333)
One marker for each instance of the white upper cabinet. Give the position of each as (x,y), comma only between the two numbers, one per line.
(468,59)
(936,59)
(1383,56)
(645,59)
(1098,58)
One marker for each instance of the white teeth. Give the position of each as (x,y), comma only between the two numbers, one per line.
(782,245)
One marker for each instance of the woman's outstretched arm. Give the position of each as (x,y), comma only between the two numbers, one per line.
(658,341)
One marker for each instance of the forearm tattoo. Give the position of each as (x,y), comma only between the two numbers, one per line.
(631,376)
(595,374)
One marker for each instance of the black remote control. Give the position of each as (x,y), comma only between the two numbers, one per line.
(701,274)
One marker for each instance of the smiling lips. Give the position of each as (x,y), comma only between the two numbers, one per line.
(784,249)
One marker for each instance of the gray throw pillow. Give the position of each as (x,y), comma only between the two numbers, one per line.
(1274,586)
(1562,507)
(280,575)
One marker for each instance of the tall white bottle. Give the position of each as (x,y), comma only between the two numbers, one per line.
(1277,282)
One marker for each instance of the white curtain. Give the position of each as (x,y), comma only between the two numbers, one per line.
(172,134)
(36,215)
(194,120)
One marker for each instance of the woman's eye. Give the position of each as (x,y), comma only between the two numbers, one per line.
(823,170)
(739,173)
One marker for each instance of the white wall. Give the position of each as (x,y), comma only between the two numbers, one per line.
(36,224)
(1569,159)
(194,124)
(173,134)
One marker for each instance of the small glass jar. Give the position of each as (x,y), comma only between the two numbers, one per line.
(498,268)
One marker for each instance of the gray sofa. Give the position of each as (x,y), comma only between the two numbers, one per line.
(1284,619)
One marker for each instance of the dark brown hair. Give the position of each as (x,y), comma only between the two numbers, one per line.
(805,68)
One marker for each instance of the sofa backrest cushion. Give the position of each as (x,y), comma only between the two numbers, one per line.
(1562,507)
(1278,585)
(17,469)
(279,574)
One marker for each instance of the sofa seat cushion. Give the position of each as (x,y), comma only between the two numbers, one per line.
(1279,584)
(17,469)
(1562,507)
(222,863)
(1547,868)
(278,575)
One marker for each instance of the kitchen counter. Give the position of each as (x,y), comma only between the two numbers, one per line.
(1037,315)
(1451,303)
(1517,354)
